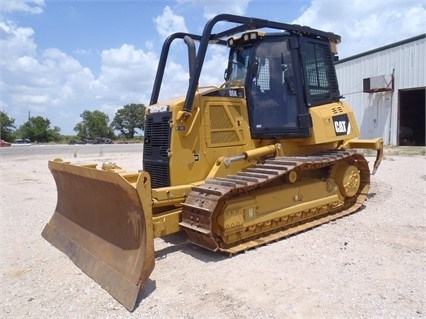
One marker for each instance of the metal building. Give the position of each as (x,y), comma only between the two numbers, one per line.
(386,89)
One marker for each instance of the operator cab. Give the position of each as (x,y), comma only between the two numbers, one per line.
(268,65)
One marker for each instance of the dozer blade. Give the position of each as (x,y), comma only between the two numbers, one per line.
(103,223)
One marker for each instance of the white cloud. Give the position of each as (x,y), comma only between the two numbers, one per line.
(15,41)
(28,6)
(55,81)
(55,85)
(39,83)
(175,81)
(214,66)
(168,22)
(213,8)
(366,25)
(126,74)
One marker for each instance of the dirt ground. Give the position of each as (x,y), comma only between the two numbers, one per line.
(367,265)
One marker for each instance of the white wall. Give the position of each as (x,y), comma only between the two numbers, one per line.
(377,113)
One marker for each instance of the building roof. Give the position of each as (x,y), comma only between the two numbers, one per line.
(392,45)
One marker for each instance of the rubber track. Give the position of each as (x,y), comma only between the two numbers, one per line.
(206,201)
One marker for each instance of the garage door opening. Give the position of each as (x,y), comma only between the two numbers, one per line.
(412,117)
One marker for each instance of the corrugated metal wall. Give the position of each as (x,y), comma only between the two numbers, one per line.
(377,113)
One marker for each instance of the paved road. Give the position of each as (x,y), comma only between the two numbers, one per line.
(67,151)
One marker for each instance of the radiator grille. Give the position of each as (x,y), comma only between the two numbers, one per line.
(159,173)
(156,148)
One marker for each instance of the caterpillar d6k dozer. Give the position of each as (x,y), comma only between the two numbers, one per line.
(269,153)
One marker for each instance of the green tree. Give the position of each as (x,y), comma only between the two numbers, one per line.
(128,119)
(38,129)
(94,124)
(7,126)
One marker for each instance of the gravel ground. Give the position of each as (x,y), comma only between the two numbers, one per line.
(367,265)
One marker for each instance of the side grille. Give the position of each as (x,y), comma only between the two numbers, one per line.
(156,147)
(159,174)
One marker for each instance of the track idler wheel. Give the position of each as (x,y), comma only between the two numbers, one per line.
(348,178)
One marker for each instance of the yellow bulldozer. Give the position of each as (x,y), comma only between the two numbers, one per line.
(269,153)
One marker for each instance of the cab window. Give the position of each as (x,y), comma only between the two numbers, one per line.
(272,91)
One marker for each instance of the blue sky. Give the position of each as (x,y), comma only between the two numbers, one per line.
(59,58)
